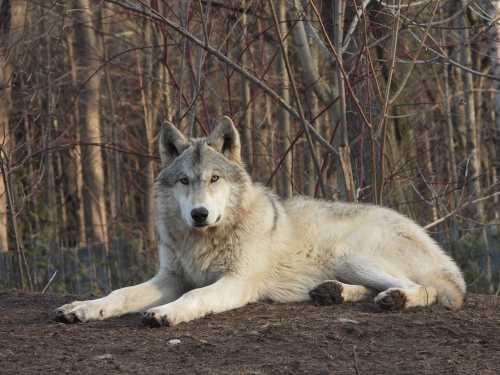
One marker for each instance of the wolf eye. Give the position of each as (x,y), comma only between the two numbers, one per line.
(184,181)
(214,178)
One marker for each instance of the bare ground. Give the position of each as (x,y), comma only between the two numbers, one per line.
(258,339)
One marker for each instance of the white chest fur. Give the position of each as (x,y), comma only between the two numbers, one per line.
(204,259)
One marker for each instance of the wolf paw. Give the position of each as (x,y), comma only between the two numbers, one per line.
(62,316)
(391,299)
(327,293)
(77,312)
(153,319)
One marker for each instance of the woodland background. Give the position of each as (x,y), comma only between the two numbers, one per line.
(389,102)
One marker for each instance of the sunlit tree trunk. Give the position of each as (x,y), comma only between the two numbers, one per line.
(88,73)
(12,15)
(150,79)
(5,106)
(12,18)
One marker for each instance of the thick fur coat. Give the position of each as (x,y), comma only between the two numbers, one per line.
(225,242)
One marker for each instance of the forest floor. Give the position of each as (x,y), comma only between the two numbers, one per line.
(262,338)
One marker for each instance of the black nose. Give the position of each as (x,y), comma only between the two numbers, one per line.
(199,215)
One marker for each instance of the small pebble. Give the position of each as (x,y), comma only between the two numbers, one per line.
(174,342)
(344,320)
(102,356)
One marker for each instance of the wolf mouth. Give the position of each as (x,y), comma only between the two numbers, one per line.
(204,225)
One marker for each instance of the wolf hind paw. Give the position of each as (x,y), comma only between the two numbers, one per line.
(327,293)
(391,299)
(154,320)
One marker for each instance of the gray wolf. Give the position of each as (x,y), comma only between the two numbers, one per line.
(225,242)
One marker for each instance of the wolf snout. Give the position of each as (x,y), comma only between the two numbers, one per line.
(199,215)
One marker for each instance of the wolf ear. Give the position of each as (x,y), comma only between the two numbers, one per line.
(172,143)
(225,139)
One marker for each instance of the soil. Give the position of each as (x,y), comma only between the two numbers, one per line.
(262,338)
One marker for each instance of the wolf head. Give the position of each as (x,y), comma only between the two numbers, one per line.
(204,176)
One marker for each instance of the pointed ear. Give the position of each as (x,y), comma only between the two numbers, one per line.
(225,139)
(172,143)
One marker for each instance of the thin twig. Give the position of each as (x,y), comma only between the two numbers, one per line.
(356,361)
(359,12)
(49,282)
(464,205)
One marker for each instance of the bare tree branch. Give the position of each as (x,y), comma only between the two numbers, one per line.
(126,4)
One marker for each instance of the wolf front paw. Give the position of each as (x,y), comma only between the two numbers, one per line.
(77,312)
(327,293)
(154,319)
(63,316)
(391,299)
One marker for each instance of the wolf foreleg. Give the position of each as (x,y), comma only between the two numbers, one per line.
(160,289)
(225,294)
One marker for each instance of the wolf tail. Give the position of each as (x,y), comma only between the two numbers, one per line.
(450,286)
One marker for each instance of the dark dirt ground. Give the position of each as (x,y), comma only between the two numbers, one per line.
(258,339)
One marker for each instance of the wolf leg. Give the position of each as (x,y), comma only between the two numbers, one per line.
(159,290)
(333,292)
(225,294)
(396,292)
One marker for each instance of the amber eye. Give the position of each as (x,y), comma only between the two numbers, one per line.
(214,178)
(184,181)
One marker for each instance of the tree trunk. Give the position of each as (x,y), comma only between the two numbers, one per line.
(5,106)
(12,15)
(77,152)
(150,77)
(470,116)
(263,150)
(263,142)
(493,8)
(452,159)
(306,56)
(246,122)
(165,96)
(48,121)
(283,141)
(333,16)
(88,64)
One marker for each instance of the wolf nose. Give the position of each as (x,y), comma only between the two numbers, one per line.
(199,215)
